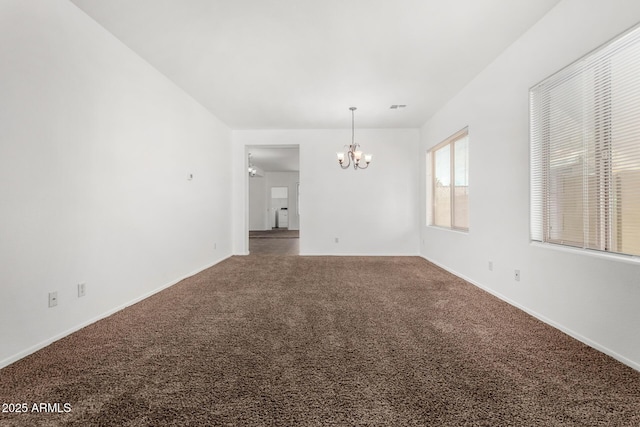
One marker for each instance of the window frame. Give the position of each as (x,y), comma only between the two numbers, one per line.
(431,178)
(604,236)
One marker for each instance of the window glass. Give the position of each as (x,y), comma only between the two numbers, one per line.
(461,176)
(449,186)
(442,187)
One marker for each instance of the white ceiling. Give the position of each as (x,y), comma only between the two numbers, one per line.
(287,64)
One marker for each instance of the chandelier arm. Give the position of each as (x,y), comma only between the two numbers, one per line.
(344,165)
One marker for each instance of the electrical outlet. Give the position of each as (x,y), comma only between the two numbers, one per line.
(337,240)
(53,299)
(490,265)
(81,289)
(516,275)
(215,246)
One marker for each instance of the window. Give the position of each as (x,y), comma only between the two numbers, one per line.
(585,151)
(448,165)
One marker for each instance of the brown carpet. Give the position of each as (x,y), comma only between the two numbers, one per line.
(276,247)
(322,341)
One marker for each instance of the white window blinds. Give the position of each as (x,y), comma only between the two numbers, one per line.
(585,151)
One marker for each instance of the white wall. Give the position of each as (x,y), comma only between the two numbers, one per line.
(371,212)
(258,204)
(95,147)
(594,298)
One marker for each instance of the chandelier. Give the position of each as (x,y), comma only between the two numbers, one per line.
(353,153)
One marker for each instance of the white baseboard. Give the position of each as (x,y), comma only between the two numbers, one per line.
(544,319)
(24,353)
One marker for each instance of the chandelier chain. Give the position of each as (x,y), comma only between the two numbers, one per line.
(353,126)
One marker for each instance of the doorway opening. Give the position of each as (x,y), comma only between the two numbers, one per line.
(273,200)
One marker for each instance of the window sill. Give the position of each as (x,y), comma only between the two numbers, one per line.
(455,230)
(628,259)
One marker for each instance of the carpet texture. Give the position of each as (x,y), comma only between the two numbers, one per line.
(322,341)
(277,247)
